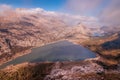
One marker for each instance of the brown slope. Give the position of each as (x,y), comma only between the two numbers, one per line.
(20,32)
(108,48)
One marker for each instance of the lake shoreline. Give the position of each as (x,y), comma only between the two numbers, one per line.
(62,50)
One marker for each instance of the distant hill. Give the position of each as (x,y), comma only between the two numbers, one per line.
(109,30)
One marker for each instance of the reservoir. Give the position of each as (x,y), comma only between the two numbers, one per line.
(59,51)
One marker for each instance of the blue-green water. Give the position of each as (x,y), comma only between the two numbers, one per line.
(59,51)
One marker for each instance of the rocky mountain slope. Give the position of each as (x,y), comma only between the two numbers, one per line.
(107,48)
(105,67)
(21,29)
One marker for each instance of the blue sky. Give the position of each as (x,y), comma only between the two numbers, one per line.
(45,4)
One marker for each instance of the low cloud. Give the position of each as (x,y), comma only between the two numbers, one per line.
(68,18)
(5,6)
(82,7)
(5,9)
(76,19)
(111,14)
(107,11)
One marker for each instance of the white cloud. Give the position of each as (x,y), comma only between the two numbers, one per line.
(35,11)
(111,14)
(82,6)
(75,19)
(68,18)
(5,7)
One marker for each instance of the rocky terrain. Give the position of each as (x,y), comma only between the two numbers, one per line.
(21,30)
(105,67)
(83,70)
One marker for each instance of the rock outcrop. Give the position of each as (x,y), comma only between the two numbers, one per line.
(83,70)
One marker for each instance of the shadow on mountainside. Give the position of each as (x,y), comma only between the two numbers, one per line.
(111,45)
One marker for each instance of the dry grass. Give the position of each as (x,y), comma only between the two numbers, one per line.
(106,47)
(93,76)
(28,72)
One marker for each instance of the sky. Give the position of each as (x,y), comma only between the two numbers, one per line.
(56,5)
(107,11)
(45,4)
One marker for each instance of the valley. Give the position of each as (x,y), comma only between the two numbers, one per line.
(19,35)
(36,44)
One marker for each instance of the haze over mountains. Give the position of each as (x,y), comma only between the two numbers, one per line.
(93,25)
(26,28)
(23,29)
